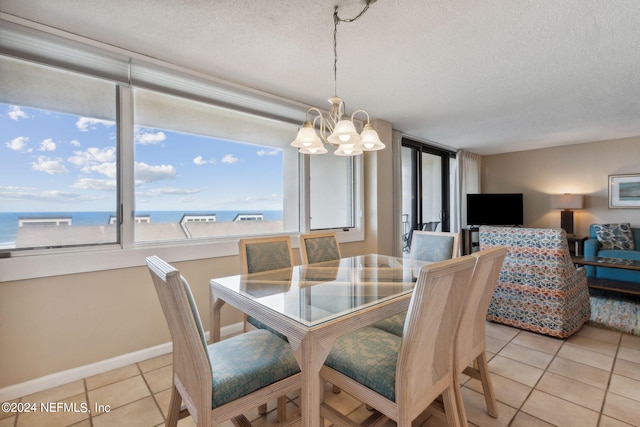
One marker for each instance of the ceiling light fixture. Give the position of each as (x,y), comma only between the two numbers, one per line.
(337,128)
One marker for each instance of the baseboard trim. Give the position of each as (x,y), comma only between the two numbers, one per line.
(64,377)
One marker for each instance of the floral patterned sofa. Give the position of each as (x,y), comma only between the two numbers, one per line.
(539,288)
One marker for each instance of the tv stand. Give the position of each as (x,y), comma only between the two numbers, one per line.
(470,240)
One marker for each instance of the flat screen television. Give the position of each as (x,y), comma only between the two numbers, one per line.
(495,209)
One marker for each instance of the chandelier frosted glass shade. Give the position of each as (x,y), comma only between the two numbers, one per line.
(347,149)
(370,139)
(337,130)
(306,137)
(344,133)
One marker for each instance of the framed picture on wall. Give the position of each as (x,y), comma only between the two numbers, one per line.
(624,191)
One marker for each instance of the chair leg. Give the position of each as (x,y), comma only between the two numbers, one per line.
(173,413)
(262,409)
(451,407)
(457,393)
(487,386)
(282,409)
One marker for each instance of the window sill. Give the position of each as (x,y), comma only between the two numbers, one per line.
(25,266)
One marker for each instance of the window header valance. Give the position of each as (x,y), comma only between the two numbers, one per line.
(54,50)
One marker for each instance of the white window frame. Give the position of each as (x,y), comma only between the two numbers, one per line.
(20,265)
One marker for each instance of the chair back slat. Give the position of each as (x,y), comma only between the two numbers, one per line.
(430,328)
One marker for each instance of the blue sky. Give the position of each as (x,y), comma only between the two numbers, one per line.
(57,162)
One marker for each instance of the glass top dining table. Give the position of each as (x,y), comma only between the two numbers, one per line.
(312,305)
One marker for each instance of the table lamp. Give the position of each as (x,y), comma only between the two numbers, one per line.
(566,202)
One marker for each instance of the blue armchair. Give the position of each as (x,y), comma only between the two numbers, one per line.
(592,247)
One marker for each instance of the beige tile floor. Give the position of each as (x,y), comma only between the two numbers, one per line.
(590,379)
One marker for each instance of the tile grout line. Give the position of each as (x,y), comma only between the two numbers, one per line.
(153,396)
(86,393)
(606,392)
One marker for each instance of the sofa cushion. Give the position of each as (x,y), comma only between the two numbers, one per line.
(615,236)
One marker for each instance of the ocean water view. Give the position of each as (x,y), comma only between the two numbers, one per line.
(9,220)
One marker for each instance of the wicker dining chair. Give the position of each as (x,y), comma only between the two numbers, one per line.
(428,246)
(470,354)
(319,247)
(223,380)
(401,376)
(434,245)
(264,254)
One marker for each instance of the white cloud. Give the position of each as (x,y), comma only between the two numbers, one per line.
(149,173)
(27,193)
(230,159)
(48,145)
(146,138)
(107,169)
(18,144)
(200,161)
(16,113)
(95,184)
(92,156)
(48,165)
(273,152)
(168,191)
(253,200)
(85,124)
(75,143)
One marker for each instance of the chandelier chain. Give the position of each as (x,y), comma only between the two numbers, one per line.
(337,20)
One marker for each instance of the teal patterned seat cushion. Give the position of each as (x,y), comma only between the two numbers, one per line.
(369,356)
(320,249)
(268,256)
(259,325)
(393,324)
(245,363)
(431,248)
(248,362)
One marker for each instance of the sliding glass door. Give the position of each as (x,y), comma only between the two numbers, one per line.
(426,189)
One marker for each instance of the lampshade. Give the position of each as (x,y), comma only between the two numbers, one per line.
(370,139)
(344,132)
(566,201)
(316,148)
(348,150)
(306,137)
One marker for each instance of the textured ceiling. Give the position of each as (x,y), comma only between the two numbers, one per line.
(488,76)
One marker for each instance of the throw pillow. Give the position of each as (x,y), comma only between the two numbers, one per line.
(615,236)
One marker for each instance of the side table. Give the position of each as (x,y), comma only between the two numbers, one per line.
(576,244)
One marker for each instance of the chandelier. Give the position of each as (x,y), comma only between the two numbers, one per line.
(337,129)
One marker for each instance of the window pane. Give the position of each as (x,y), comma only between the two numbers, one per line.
(332,192)
(195,184)
(58,162)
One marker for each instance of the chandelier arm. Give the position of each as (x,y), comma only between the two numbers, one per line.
(325,126)
(315,110)
(361,111)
